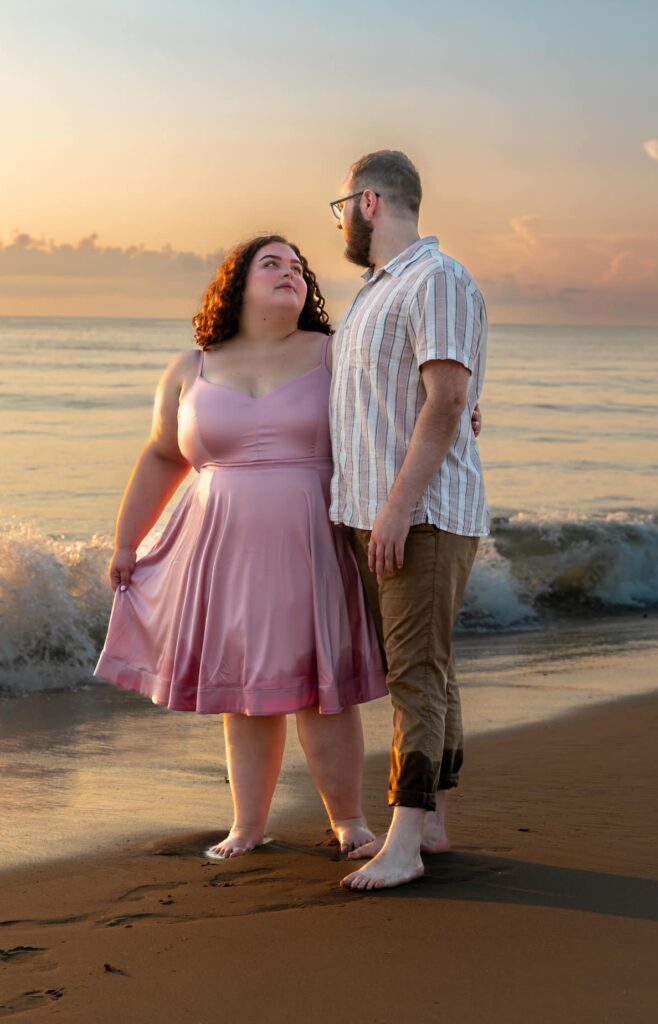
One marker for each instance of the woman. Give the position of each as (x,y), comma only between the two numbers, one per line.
(250,603)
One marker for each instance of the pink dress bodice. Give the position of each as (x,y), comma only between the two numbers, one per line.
(222,426)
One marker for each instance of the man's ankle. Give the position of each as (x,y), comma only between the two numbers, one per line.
(407,826)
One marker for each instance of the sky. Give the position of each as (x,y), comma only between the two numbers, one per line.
(141,140)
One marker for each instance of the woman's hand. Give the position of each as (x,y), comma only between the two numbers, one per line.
(159,470)
(121,567)
(476,421)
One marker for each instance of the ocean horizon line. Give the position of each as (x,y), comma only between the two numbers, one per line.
(182,320)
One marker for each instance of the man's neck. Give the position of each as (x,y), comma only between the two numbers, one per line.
(391,241)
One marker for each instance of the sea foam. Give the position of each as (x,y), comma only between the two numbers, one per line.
(55,600)
(54,607)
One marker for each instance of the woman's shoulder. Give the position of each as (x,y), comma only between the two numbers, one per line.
(323,341)
(311,335)
(182,365)
(179,374)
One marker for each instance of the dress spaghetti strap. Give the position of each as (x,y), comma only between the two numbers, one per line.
(199,371)
(325,348)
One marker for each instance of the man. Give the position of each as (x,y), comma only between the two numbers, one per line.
(409,359)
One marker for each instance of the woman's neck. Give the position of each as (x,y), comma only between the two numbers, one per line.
(257,328)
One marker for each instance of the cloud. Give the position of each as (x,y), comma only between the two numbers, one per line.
(529,276)
(40,277)
(23,256)
(651,148)
(526,227)
(620,263)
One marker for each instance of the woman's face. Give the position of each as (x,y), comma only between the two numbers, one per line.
(275,280)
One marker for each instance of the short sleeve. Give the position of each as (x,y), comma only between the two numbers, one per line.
(446,319)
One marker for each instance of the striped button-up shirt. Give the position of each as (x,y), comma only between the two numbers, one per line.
(422,305)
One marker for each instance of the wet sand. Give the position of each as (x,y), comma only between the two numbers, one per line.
(545,910)
(116,769)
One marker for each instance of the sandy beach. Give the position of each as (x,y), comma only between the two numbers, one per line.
(545,909)
(242,314)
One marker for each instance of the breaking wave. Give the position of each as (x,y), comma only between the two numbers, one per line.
(534,567)
(55,602)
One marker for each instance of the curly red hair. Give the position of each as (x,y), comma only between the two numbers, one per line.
(219,317)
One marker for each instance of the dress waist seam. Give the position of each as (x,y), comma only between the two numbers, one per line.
(322,461)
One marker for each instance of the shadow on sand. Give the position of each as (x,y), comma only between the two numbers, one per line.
(458,875)
(461,875)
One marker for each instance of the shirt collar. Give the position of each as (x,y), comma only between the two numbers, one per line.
(399,263)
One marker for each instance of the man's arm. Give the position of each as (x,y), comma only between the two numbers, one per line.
(446,384)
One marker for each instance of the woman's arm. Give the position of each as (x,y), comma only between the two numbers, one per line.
(159,470)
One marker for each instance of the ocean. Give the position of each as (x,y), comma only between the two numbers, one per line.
(563,593)
(568,445)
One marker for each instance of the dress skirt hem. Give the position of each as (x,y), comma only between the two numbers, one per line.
(266,700)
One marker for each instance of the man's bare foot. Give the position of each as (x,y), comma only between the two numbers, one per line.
(352,833)
(390,867)
(434,841)
(435,838)
(399,859)
(238,842)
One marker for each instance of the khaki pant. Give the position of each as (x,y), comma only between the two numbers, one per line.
(415,611)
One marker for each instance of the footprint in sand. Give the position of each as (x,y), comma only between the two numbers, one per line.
(19,952)
(124,919)
(141,891)
(30,1000)
(72,919)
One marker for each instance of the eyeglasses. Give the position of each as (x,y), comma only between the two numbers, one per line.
(338,204)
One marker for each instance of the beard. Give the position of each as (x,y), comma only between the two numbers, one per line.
(358,237)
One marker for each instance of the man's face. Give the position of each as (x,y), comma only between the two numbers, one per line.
(356,229)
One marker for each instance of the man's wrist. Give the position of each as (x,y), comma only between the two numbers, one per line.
(398,507)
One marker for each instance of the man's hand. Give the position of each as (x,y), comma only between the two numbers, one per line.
(446,383)
(476,421)
(386,546)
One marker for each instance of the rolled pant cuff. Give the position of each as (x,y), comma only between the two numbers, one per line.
(412,798)
(448,782)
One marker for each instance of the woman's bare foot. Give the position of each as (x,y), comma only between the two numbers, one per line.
(352,833)
(367,850)
(238,842)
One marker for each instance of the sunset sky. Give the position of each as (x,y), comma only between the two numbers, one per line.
(141,139)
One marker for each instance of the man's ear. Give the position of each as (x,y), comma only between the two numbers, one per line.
(369,202)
